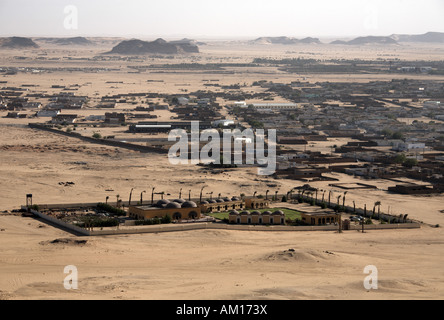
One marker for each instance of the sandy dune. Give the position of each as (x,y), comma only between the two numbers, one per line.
(219,264)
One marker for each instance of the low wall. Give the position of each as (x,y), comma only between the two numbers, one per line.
(111,143)
(62,224)
(387,226)
(211,226)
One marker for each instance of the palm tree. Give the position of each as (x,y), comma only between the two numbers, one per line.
(310,196)
(266,194)
(343,199)
(141,197)
(152,195)
(378,204)
(201,190)
(117,202)
(131,194)
(354,207)
(323,195)
(106,200)
(276,196)
(254,195)
(329,198)
(180,193)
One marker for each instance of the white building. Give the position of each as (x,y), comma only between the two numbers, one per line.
(432,104)
(48,113)
(241,104)
(183,101)
(410,146)
(224,123)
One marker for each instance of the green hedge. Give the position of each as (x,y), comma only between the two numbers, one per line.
(149,222)
(110,209)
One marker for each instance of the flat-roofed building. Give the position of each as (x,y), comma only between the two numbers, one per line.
(222,205)
(178,210)
(158,126)
(257,203)
(257,218)
(275,106)
(320,218)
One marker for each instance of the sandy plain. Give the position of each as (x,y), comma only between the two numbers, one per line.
(198,264)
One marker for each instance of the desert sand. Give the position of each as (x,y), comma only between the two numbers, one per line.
(219,265)
(195,264)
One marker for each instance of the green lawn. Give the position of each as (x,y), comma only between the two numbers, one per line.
(289,214)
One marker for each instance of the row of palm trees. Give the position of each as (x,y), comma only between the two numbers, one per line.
(162,194)
(301,193)
(313,194)
(119,201)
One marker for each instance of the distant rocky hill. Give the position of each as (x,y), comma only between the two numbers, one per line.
(368,41)
(286,40)
(430,37)
(159,46)
(75,41)
(17,43)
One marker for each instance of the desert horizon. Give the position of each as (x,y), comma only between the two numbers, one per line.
(353,133)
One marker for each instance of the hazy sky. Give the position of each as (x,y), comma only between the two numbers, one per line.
(228,18)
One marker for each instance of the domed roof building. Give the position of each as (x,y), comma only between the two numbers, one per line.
(173,205)
(179,201)
(162,203)
(189,204)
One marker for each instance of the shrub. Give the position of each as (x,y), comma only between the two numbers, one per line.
(166,220)
(324,205)
(97,135)
(284,199)
(110,209)
(97,222)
